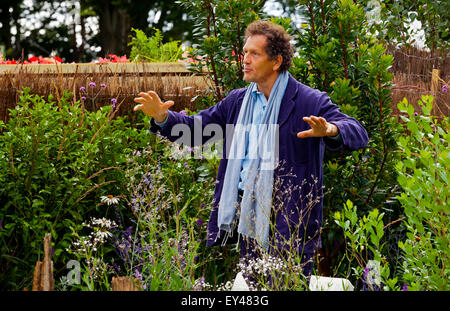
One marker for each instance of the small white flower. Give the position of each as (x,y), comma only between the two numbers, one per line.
(109,199)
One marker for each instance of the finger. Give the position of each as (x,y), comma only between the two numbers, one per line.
(140,100)
(169,104)
(305,134)
(315,119)
(154,95)
(146,96)
(138,107)
(310,121)
(323,122)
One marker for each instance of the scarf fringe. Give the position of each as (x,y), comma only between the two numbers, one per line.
(229,230)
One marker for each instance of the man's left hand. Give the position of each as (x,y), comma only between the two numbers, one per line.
(319,128)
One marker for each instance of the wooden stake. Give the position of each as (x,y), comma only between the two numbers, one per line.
(435,85)
(43,272)
(124,283)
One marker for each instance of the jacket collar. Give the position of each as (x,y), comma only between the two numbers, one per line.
(287,104)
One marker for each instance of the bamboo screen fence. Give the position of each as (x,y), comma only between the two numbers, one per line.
(416,72)
(123,81)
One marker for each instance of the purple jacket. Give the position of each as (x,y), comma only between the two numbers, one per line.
(298,195)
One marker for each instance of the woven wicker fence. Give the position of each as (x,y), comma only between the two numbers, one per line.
(412,68)
(418,72)
(172,81)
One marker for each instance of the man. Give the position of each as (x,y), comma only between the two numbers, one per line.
(276,207)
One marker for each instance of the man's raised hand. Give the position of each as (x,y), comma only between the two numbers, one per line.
(319,128)
(150,104)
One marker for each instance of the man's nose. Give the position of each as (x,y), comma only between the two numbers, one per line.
(246,59)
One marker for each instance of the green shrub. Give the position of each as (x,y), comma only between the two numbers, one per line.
(368,268)
(423,176)
(337,55)
(56,158)
(391,26)
(219,40)
(144,49)
(162,240)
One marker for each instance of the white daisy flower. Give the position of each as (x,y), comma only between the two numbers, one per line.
(109,199)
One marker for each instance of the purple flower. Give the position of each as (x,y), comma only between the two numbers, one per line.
(83,98)
(405,288)
(137,274)
(366,272)
(183,112)
(116,267)
(92,84)
(186,165)
(199,222)
(82,89)
(103,85)
(114,102)
(444,88)
(416,114)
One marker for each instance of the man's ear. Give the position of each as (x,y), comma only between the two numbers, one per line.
(278,60)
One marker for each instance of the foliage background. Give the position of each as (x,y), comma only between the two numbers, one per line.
(56,154)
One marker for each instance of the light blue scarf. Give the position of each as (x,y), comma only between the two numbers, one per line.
(256,204)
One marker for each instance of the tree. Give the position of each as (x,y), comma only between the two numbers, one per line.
(9,16)
(115,20)
(337,55)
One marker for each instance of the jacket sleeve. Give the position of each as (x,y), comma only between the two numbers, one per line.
(353,134)
(197,129)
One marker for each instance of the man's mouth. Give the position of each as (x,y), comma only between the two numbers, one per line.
(247,70)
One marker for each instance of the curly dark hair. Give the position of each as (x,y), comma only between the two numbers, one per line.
(278,41)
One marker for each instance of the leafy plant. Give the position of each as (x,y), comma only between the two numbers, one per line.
(161,242)
(219,39)
(56,157)
(395,18)
(337,55)
(151,49)
(423,176)
(364,237)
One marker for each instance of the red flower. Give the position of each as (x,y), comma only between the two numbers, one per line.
(123,59)
(33,59)
(43,60)
(112,58)
(233,53)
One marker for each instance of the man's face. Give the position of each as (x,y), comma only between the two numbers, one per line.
(257,65)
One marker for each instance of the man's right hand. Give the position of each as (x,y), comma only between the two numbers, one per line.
(151,105)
